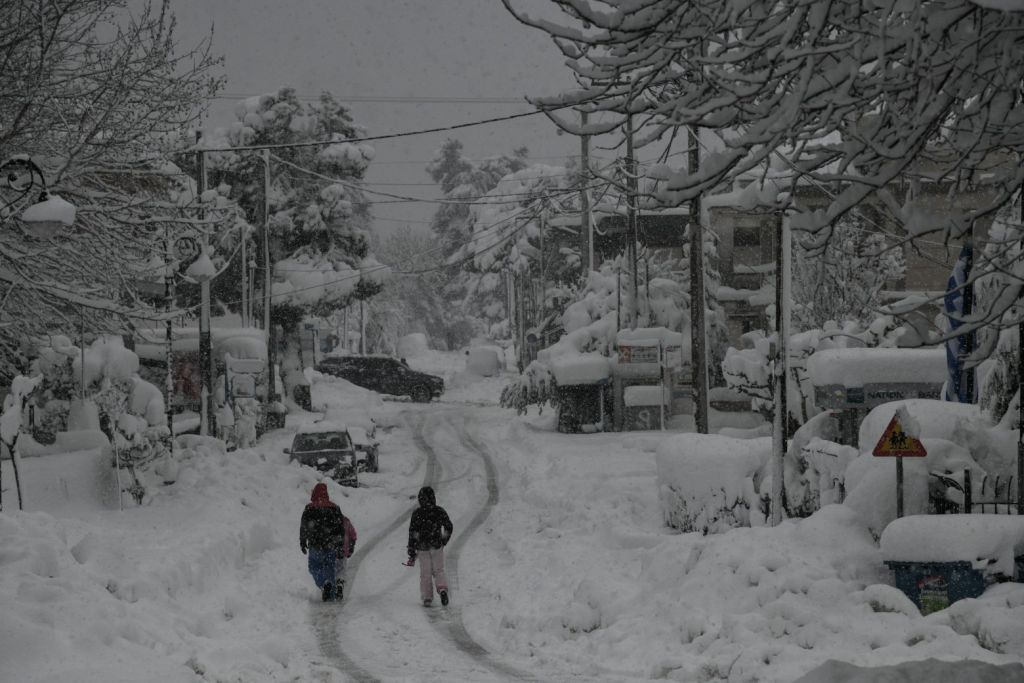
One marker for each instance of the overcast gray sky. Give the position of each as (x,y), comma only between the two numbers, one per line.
(393,49)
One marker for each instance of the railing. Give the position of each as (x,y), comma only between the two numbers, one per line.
(995,495)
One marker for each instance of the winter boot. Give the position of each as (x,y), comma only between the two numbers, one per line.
(427,602)
(328,591)
(444,597)
(341,591)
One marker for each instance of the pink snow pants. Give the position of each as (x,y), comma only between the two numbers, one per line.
(431,572)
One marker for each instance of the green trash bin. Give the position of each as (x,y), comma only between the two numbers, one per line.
(934,586)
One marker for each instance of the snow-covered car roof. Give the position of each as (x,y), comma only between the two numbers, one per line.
(323,426)
(359,436)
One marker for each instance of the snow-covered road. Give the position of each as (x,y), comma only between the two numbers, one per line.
(561,570)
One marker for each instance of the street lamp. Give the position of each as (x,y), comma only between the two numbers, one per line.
(50,214)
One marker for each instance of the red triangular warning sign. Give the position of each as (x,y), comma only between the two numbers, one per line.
(895,443)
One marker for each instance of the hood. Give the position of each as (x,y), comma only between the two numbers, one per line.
(320,497)
(426,497)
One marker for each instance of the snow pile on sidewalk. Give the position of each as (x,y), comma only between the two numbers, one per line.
(709,483)
(579,570)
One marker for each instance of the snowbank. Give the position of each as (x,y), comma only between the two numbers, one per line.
(412,345)
(988,542)
(584,368)
(871,481)
(485,361)
(937,419)
(706,482)
(855,367)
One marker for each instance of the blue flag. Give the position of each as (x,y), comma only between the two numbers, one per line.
(959,300)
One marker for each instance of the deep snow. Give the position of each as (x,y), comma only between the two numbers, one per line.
(562,569)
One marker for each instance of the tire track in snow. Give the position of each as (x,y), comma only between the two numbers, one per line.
(325,618)
(450,619)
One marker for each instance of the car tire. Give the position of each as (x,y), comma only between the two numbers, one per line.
(420,393)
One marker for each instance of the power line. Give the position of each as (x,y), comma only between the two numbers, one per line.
(439,200)
(370,138)
(394,99)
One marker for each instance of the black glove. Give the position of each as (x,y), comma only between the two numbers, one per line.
(302,547)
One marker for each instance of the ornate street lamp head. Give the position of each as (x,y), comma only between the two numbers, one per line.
(48,216)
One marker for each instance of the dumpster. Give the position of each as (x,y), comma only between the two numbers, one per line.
(934,586)
(939,559)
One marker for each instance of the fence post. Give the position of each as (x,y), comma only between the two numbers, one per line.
(968,493)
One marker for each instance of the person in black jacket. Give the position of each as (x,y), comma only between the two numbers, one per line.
(429,531)
(329,538)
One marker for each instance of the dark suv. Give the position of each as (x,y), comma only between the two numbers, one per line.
(384,375)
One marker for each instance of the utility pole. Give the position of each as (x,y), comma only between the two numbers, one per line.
(585,219)
(1020,398)
(782,256)
(206,421)
(267,327)
(362,327)
(631,217)
(169,331)
(245,279)
(543,274)
(698,317)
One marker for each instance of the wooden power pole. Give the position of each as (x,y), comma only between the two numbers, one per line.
(698,309)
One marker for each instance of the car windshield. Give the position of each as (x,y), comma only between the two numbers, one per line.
(321,441)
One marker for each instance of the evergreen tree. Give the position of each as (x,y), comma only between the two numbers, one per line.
(318,215)
(462,182)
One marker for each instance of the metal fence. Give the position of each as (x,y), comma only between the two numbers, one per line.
(992,495)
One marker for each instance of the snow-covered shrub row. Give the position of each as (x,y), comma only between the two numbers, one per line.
(709,483)
(751,369)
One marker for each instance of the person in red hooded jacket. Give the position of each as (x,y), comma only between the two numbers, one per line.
(329,539)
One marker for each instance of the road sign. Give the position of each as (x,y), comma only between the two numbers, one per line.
(896,443)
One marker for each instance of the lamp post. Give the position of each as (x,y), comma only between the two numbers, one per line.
(50,213)
(46,217)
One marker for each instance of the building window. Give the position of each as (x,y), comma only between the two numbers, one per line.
(743,237)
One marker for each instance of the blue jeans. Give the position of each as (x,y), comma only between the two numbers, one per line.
(322,563)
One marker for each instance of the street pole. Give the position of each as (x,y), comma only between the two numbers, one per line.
(245,279)
(362,327)
(543,277)
(698,310)
(1020,397)
(631,218)
(206,420)
(267,327)
(169,332)
(585,221)
(782,332)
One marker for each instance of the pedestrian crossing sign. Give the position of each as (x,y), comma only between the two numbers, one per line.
(896,443)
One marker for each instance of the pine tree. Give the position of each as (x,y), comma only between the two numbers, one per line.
(463,182)
(318,215)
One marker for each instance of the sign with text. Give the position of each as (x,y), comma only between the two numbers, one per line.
(639,353)
(896,443)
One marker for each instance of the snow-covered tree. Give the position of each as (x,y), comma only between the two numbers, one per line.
(856,94)
(412,300)
(95,92)
(866,102)
(844,280)
(463,181)
(996,299)
(750,370)
(318,215)
(506,235)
